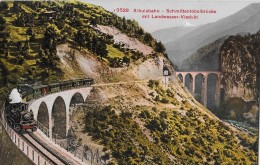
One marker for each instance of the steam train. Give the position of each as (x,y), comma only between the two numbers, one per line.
(17,113)
(19,117)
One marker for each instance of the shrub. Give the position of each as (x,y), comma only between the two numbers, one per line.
(164,100)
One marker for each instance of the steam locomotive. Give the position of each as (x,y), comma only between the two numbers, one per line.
(17,113)
(19,117)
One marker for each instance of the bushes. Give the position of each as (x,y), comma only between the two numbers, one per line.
(145,114)
(164,100)
(2,20)
(124,136)
(153,83)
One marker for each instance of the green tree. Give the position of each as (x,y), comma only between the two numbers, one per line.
(50,37)
(20,21)
(148,38)
(80,38)
(102,49)
(2,20)
(126,60)
(29,31)
(3,6)
(26,49)
(5,73)
(160,47)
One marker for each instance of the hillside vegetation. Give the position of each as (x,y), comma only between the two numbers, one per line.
(159,126)
(31,30)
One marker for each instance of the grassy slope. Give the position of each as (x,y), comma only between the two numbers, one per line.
(113,52)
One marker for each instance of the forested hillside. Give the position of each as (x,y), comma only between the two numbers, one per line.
(31,30)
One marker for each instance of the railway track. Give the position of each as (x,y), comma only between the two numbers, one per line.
(43,150)
(49,151)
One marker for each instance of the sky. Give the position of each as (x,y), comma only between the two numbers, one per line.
(223,9)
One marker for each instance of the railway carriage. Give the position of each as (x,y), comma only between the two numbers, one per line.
(40,90)
(44,90)
(26,92)
(78,83)
(55,87)
(66,85)
(88,81)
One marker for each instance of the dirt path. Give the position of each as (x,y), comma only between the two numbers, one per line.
(119,83)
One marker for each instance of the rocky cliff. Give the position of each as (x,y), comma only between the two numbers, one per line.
(239,57)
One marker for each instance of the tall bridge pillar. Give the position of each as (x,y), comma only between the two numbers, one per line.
(217,93)
(50,126)
(205,90)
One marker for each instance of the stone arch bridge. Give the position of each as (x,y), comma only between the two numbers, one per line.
(197,82)
(53,110)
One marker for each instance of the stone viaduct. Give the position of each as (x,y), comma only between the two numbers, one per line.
(204,75)
(53,110)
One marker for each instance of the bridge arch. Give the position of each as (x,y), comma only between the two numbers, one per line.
(199,84)
(59,117)
(43,115)
(212,90)
(76,99)
(180,76)
(189,82)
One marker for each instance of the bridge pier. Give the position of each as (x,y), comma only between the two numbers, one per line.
(217,94)
(205,90)
(50,126)
(193,86)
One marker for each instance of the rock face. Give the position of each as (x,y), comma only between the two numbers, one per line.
(240,68)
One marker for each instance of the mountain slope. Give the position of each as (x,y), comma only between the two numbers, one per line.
(143,122)
(172,34)
(246,20)
(205,59)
